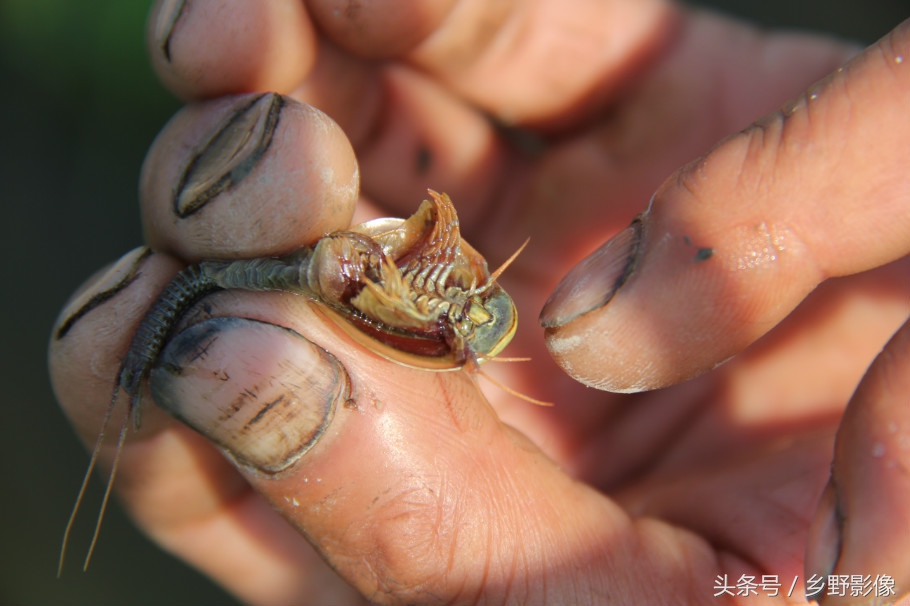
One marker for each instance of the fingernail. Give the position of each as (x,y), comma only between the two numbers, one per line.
(824,543)
(169,11)
(233,151)
(261,392)
(118,277)
(593,282)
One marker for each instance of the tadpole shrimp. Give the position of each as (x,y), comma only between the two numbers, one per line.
(411,290)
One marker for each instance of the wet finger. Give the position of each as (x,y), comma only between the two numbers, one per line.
(861,531)
(734,241)
(246,176)
(205,49)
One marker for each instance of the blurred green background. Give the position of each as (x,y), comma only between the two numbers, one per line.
(80,106)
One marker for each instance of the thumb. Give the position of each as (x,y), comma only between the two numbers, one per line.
(734,241)
(409,485)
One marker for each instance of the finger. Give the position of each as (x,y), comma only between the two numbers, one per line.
(861,526)
(215,157)
(425,127)
(174,484)
(524,62)
(412,134)
(413,490)
(595,183)
(733,242)
(246,176)
(204,49)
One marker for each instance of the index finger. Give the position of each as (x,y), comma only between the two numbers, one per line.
(735,240)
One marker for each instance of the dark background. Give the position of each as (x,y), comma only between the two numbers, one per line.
(79,108)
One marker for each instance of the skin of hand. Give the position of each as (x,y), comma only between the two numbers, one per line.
(779,250)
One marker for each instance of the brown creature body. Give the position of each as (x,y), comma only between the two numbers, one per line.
(410,290)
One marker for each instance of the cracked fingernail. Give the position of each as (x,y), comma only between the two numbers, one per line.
(592,283)
(261,392)
(234,150)
(824,544)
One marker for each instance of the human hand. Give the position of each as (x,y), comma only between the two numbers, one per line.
(417,491)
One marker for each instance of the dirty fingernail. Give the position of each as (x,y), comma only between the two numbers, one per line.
(106,286)
(163,22)
(593,282)
(231,154)
(261,392)
(824,544)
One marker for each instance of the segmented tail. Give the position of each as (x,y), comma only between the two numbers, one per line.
(152,334)
(182,292)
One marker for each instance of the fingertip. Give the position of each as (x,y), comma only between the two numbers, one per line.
(179,489)
(267,174)
(205,49)
(671,297)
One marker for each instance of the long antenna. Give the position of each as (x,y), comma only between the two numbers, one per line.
(93,462)
(508,262)
(121,439)
(511,391)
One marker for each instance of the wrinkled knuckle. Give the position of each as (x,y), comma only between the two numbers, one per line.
(440,542)
(413,544)
(748,163)
(767,141)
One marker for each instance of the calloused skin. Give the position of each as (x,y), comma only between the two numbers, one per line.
(437,488)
